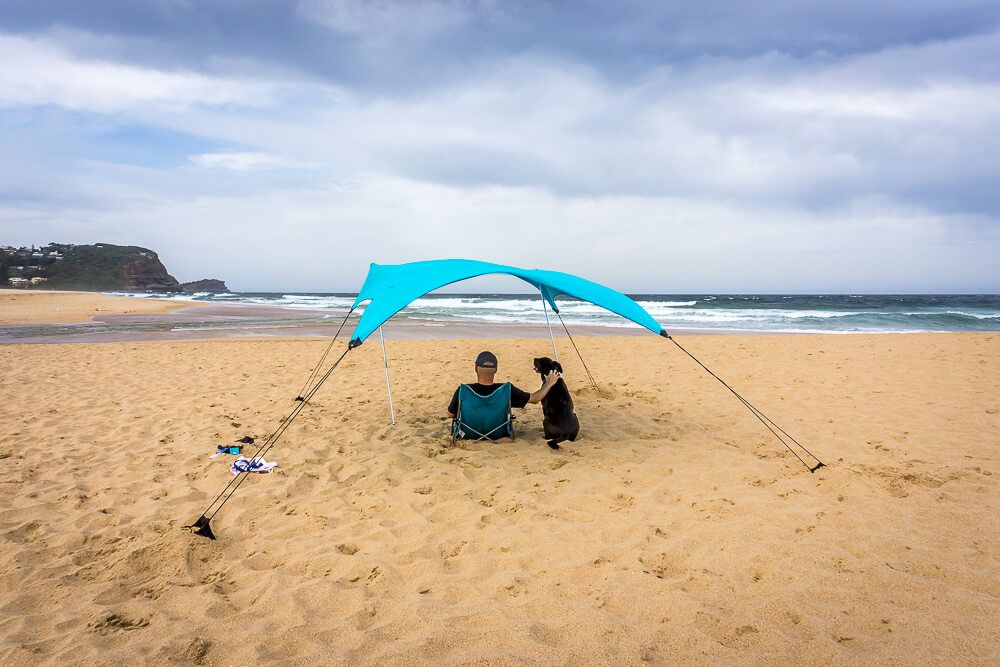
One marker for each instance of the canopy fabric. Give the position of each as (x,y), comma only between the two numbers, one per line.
(391,287)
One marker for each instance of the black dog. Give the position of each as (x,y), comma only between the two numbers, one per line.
(560,422)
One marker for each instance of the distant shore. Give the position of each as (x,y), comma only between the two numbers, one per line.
(22,306)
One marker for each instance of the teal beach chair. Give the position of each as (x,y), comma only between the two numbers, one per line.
(483,417)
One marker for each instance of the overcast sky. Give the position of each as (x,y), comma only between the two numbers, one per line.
(766,146)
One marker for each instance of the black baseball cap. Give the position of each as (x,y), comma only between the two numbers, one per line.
(486,360)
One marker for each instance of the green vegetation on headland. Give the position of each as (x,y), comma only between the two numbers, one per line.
(97,267)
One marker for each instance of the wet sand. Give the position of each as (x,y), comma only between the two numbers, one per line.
(200,321)
(25,306)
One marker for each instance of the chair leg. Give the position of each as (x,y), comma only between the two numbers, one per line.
(457,425)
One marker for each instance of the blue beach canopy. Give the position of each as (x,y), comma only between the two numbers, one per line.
(391,287)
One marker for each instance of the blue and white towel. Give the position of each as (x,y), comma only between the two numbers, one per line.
(243,464)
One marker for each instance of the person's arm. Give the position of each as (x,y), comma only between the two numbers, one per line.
(550,380)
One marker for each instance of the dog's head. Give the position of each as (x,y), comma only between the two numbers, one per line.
(544,366)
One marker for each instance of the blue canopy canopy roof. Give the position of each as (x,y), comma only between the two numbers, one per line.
(391,287)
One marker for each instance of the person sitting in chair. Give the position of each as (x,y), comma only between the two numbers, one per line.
(486,370)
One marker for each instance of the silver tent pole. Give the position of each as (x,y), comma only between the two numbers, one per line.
(545,309)
(388,387)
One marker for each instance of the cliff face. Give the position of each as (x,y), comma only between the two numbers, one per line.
(100,267)
(108,267)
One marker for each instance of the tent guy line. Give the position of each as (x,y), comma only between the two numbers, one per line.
(390,288)
(573,343)
(202,525)
(764,419)
(319,364)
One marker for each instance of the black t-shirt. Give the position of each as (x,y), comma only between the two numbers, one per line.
(518,397)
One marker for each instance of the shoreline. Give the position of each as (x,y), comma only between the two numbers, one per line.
(56,317)
(173,326)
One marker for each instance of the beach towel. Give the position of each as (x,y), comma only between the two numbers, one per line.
(243,464)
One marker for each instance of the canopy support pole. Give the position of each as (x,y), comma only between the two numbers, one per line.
(545,309)
(388,387)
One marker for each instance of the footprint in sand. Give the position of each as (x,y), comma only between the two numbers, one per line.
(197,650)
(25,533)
(661,566)
(118,623)
(452,551)
(622,501)
(514,589)
(149,592)
(714,628)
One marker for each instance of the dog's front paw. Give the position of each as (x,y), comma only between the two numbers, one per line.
(554,445)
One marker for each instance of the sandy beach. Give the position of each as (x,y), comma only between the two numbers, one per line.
(20,306)
(675,530)
(755,220)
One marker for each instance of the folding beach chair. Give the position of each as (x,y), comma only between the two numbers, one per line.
(483,417)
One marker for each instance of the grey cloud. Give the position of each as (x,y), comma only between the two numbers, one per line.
(719,128)
(412,44)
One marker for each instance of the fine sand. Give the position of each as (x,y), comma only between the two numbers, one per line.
(22,306)
(676,530)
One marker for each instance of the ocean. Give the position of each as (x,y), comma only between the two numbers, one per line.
(792,313)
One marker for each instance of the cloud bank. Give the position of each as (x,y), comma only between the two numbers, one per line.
(658,147)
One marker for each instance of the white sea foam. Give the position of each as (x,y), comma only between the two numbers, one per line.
(723,313)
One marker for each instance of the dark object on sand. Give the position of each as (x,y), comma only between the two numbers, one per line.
(560,422)
(202,527)
(246,440)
